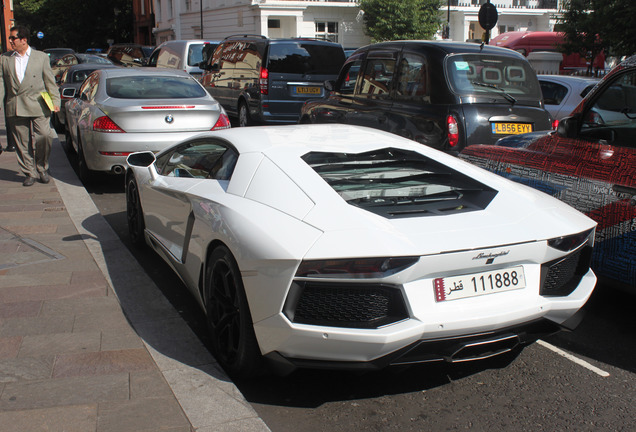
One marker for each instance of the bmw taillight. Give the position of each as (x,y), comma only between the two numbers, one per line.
(453,130)
(105,124)
(222,123)
(264,81)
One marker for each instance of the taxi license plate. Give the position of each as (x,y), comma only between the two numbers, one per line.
(308,90)
(477,284)
(511,128)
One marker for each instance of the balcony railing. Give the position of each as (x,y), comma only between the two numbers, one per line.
(500,4)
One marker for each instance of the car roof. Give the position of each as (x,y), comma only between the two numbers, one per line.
(448,47)
(124,71)
(336,138)
(82,66)
(568,78)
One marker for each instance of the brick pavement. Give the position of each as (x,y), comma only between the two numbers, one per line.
(87,341)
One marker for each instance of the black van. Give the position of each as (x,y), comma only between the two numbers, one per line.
(262,80)
(444,94)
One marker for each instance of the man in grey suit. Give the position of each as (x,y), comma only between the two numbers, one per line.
(25,76)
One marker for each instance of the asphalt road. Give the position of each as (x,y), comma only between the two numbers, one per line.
(590,385)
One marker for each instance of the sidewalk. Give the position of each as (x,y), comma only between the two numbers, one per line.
(87,341)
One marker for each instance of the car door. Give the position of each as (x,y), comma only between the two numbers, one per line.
(336,108)
(412,115)
(168,208)
(372,100)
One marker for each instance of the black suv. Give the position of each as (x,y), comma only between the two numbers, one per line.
(262,80)
(446,95)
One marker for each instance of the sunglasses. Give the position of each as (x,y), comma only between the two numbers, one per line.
(13,38)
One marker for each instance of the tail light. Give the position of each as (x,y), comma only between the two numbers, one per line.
(555,124)
(264,81)
(453,130)
(105,124)
(354,268)
(222,123)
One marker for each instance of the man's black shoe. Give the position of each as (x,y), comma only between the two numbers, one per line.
(44,177)
(10,148)
(29,181)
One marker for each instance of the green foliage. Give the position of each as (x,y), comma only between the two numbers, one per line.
(400,19)
(77,24)
(594,25)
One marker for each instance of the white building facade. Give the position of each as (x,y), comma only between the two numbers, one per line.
(337,20)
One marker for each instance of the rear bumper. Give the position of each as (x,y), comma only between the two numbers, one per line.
(471,347)
(125,143)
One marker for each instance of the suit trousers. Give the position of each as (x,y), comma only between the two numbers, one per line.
(33,138)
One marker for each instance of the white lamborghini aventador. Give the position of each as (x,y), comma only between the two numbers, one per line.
(340,246)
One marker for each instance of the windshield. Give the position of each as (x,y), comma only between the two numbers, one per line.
(305,58)
(482,74)
(399,183)
(153,87)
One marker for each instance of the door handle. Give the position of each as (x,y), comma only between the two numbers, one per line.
(626,190)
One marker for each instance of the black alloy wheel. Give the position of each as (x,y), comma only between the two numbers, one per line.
(233,340)
(134,213)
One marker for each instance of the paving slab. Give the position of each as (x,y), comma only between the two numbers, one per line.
(87,341)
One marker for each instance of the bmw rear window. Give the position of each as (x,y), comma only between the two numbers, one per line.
(483,74)
(153,87)
(305,58)
(399,183)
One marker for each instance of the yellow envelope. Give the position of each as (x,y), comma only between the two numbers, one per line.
(47,98)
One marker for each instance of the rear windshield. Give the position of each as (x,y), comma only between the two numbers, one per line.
(399,183)
(153,87)
(481,74)
(305,58)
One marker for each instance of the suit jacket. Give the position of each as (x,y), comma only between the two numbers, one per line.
(24,99)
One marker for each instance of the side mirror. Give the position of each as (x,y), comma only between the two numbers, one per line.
(569,126)
(68,93)
(214,68)
(330,85)
(144,159)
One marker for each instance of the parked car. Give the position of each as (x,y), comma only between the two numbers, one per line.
(526,42)
(69,60)
(368,250)
(57,53)
(71,80)
(562,93)
(186,55)
(121,110)
(590,163)
(446,95)
(262,80)
(129,54)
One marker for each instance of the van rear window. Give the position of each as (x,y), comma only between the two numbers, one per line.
(305,58)
(480,74)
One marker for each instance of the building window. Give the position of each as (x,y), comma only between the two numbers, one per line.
(327,30)
(188,5)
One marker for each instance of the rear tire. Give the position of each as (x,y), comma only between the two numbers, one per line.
(244,115)
(233,339)
(85,174)
(134,214)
